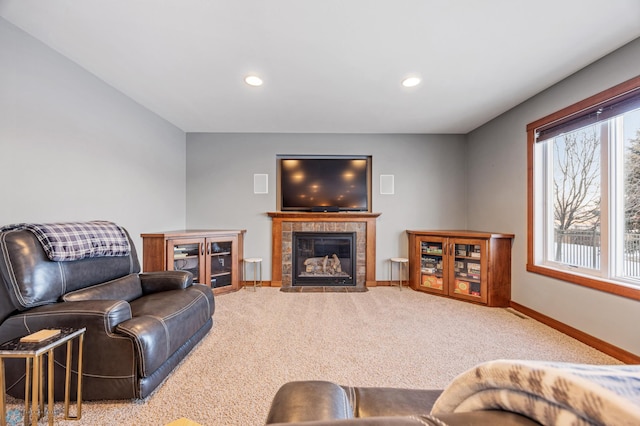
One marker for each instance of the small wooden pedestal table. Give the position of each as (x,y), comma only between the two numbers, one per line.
(33,353)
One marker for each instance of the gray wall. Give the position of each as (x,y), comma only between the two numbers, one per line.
(429,172)
(497,200)
(73,148)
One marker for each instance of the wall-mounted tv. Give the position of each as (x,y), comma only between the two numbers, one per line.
(324,183)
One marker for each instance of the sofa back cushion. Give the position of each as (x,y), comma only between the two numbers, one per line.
(30,279)
(126,288)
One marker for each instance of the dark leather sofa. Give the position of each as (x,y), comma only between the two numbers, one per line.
(495,392)
(321,403)
(139,325)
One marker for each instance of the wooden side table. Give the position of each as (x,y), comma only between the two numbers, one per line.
(33,353)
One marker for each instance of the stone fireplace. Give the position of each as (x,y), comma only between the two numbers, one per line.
(361,225)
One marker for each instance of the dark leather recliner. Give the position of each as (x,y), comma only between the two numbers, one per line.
(139,325)
(321,403)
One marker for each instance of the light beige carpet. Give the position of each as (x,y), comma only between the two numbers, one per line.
(384,337)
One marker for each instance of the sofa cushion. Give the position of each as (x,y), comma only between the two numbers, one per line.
(381,401)
(126,288)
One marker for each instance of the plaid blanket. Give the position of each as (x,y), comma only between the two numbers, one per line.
(77,240)
(549,393)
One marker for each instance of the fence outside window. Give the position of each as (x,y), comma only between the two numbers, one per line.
(582,248)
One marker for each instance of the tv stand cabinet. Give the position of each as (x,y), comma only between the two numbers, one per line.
(212,256)
(466,265)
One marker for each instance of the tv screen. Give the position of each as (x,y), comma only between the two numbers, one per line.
(318,182)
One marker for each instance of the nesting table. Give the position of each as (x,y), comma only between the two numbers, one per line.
(33,353)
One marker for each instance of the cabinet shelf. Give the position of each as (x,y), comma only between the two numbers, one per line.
(466,265)
(463,278)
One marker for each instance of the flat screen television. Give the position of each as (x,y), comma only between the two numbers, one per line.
(324,183)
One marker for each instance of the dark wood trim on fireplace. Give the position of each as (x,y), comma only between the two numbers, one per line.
(276,238)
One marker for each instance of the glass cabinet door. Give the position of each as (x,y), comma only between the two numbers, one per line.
(220,263)
(432,265)
(185,256)
(469,269)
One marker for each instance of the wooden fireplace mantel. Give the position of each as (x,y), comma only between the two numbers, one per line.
(278,218)
(328,216)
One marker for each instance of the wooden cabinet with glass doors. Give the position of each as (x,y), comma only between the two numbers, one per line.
(212,256)
(467,265)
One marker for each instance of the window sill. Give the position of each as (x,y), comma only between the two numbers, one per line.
(607,286)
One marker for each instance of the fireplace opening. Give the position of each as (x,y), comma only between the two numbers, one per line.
(323,258)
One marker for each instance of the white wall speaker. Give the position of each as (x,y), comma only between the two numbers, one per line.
(260,184)
(386,185)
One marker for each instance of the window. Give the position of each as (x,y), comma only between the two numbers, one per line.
(584,192)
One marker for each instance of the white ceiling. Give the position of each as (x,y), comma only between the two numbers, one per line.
(331,66)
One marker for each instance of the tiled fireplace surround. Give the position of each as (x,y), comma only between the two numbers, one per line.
(284,224)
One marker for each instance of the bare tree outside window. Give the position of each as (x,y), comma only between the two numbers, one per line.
(632,205)
(576,192)
(632,184)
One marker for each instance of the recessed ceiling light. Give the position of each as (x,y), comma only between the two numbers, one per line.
(411,81)
(253,80)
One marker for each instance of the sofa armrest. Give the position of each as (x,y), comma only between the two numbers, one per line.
(96,315)
(309,401)
(109,360)
(154,282)
(150,339)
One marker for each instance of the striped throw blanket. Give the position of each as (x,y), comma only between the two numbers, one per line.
(77,240)
(549,393)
